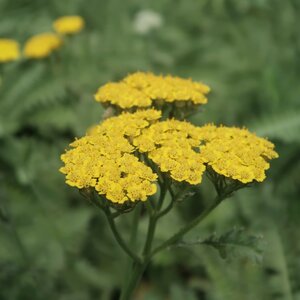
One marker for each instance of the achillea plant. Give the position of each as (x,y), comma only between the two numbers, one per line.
(144,151)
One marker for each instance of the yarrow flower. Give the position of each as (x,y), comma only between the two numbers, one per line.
(68,24)
(122,95)
(104,159)
(236,153)
(9,50)
(168,88)
(171,145)
(42,45)
(146,89)
(112,157)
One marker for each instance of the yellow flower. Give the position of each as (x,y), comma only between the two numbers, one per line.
(236,153)
(9,50)
(168,88)
(170,145)
(146,89)
(104,159)
(42,45)
(68,24)
(112,156)
(122,95)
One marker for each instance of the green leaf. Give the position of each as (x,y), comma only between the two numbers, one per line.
(236,243)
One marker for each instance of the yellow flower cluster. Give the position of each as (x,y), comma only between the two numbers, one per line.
(104,159)
(42,45)
(9,50)
(171,145)
(168,88)
(122,95)
(68,24)
(236,153)
(146,89)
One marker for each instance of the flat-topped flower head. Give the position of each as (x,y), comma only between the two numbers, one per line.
(148,90)
(68,24)
(42,45)
(122,95)
(168,88)
(105,159)
(9,50)
(236,153)
(172,146)
(112,157)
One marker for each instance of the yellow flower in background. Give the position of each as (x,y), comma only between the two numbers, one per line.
(68,24)
(9,50)
(42,45)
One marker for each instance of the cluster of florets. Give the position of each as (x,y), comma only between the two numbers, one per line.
(236,153)
(146,89)
(106,160)
(43,44)
(112,157)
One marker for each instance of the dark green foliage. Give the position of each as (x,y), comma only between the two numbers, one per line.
(55,245)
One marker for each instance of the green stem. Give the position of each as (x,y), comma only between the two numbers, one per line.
(119,238)
(187,227)
(150,235)
(134,278)
(133,235)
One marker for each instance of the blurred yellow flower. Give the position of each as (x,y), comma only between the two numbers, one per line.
(68,24)
(9,50)
(42,45)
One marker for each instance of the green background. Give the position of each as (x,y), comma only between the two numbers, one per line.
(54,244)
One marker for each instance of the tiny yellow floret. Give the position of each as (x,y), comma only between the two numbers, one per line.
(9,50)
(68,24)
(42,45)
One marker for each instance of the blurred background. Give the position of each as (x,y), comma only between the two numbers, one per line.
(53,244)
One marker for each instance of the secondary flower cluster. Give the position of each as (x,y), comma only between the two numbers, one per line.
(146,89)
(41,45)
(236,153)
(112,157)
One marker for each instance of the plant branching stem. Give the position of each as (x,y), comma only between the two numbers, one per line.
(187,227)
(119,238)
